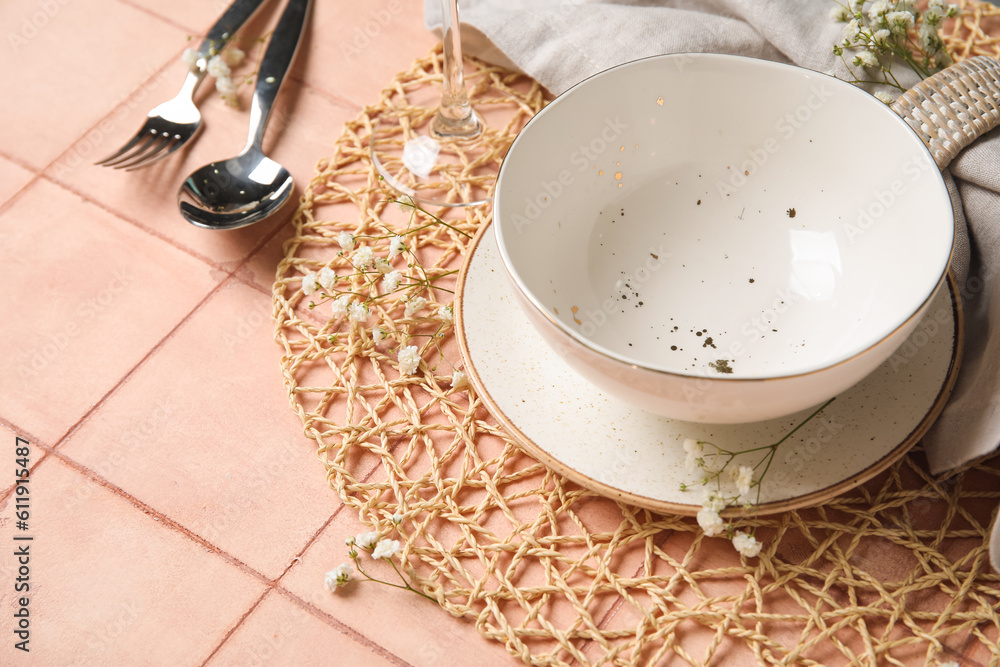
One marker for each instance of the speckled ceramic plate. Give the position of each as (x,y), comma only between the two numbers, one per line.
(638,458)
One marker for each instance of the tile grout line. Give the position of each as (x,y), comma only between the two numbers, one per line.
(341,627)
(160,517)
(128,374)
(238,624)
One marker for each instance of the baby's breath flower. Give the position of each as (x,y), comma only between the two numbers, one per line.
(746,544)
(378,335)
(743,477)
(363,258)
(190,58)
(414,305)
(883,97)
(365,540)
(218,68)
(712,501)
(409,360)
(866,59)
(346,241)
(358,312)
(309,283)
(710,521)
(341,305)
(839,14)
(339,576)
(878,9)
(382,265)
(386,549)
(396,246)
(447,314)
(900,22)
(397,518)
(327,278)
(233,56)
(695,452)
(881,37)
(458,380)
(851,32)
(390,283)
(226,88)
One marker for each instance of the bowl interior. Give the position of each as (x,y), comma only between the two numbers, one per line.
(722,216)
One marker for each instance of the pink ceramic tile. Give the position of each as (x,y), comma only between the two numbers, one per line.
(67,63)
(12,179)
(88,295)
(109,585)
(355,48)
(203,432)
(303,127)
(415,629)
(281,632)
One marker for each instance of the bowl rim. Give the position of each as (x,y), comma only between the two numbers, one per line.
(608,354)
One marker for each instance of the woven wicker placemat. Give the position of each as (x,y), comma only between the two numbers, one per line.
(895,572)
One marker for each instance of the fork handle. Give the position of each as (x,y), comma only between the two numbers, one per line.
(273,67)
(228,24)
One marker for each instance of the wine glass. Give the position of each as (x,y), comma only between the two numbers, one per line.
(438,154)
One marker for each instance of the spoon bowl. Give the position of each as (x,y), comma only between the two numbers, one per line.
(234,193)
(248,188)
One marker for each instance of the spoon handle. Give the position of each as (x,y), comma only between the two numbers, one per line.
(277,59)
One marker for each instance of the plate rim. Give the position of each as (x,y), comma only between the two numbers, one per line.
(810,499)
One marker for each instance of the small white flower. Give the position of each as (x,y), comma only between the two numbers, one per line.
(226,88)
(382,265)
(838,14)
(386,549)
(866,59)
(884,97)
(743,478)
(397,518)
(362,258)
(309,283)
(878,9)
(458,380)
(396,246)
(327,278)
(378,335)
(447,314)
(218,68)
(346,241)
(390,283)
(881,36)
(711,522)
(746,544)
(899,22)
(420,155)
(339,576)
(190,59)
(341,305)
(233,56)
(712,501)
(851,32)
(358,312)
(365,540)
(414,305)
(409,360)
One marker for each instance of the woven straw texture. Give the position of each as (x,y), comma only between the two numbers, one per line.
(895,572)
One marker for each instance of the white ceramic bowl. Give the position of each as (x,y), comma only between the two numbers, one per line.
(721,239)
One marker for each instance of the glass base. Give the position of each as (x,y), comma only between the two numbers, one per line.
(431,167)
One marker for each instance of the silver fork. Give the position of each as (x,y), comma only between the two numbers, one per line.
(173,123)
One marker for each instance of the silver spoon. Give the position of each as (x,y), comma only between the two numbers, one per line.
(249,187)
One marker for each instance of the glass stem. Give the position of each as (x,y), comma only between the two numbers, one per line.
(455,118)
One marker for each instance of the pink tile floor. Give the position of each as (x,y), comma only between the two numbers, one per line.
(178,516)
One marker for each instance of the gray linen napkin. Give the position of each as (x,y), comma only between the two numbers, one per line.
(562,42)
